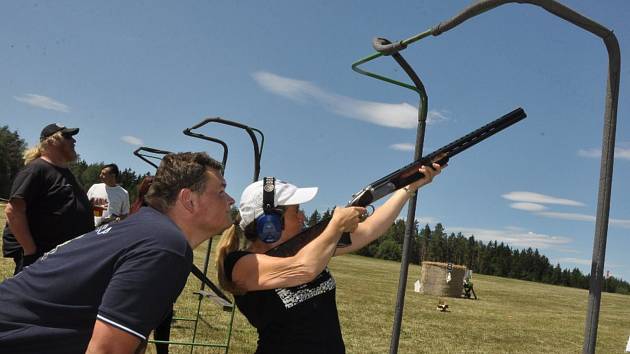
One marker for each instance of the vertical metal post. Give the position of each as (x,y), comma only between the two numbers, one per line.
(608,145)
(409,231)
(603,200)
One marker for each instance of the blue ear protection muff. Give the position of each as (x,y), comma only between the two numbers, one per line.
(269,225)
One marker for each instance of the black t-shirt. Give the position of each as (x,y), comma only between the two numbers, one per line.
(57,208)
(302,319)
(127,274)
(10,246)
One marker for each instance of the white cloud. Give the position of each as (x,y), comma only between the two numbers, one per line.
(290,88)
(423,220)
(572,260)
(434,116)
(624,223)
(530,197)
(402,147)
(43,102)
(593,152)
(515,237)
(569,250)
(132,140)
(401,115)
(531,202)
(620,153)
(528,206)
(587,262)
(396,115)
(567,216)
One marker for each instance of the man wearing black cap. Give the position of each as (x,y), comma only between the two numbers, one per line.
(47,205)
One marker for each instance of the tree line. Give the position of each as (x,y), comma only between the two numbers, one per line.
(490,258)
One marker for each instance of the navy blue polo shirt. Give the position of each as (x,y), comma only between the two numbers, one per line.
(126,274)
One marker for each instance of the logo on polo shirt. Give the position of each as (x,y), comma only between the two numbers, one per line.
(103,229)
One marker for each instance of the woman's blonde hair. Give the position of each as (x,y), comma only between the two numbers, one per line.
(233,239)
(36,152)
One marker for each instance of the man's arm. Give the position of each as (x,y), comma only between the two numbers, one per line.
(16,216)
(90,192)
(125,206)
(109,339)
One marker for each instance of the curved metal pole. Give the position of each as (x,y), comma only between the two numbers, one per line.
(418,87)
(188,132)
(202,276)
(143,157)
(250,131)
(608,139)
(206,261)
(196,272)
(403,44)
(411,208)
(257,156)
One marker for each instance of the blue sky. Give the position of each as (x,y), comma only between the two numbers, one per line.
(138,73)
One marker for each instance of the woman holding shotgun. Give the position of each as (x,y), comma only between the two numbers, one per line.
(291,300)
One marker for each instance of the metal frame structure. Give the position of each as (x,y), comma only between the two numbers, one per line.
(145,153)
(385,47)
(145,157)
(257,145)
(202,292)
(217,295)
(257,155)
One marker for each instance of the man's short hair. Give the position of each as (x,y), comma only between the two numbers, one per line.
(114,169)
(178,171)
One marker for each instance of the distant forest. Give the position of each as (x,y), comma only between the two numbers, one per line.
(490,258)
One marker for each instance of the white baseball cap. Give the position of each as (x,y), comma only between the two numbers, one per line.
(251,206)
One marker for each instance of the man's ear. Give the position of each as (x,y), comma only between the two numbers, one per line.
(185,198)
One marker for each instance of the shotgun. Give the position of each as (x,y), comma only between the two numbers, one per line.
(398,179)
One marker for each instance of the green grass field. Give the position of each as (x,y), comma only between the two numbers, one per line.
(511,316)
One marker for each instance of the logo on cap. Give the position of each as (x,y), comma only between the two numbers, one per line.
(269,186)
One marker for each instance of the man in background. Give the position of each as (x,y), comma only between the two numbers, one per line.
(47,206)
(110,196)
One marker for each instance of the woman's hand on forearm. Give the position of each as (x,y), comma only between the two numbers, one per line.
(346,219)
(429,173)
(383,217)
